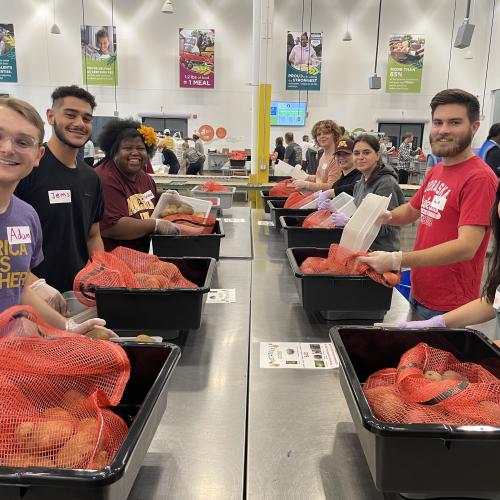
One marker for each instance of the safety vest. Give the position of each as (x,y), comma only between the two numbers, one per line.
(486,148)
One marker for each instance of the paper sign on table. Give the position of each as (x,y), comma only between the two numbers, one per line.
(233,220)
(221,296)
(265,223)
(298,355)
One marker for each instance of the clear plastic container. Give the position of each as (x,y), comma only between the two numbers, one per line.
(283,169)
(226,197)
(199,206)
(298,173)
(362,229)
(343,203)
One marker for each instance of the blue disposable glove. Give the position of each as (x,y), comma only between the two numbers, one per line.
(323,201)
(340,219)
(434,322)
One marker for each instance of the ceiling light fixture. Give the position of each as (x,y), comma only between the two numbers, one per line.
(464,33)
(54,29)
(167,8)
(347,36)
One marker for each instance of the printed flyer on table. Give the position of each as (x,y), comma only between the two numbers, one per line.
(316,356)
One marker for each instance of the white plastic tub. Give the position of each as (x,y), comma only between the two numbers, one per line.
(226,197)
(199,206)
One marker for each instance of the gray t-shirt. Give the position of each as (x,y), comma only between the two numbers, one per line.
(21,249)
(293,153)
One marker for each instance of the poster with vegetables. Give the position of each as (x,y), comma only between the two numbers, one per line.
(99,55)
(8,67)
(303,60)
(196,58)
(406,60)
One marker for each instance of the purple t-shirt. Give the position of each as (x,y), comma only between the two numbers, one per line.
(20,249)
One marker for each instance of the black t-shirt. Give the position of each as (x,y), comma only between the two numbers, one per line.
(346,183)
(68,201)
(493,160)
(281,153)
(171,160)
(293,153)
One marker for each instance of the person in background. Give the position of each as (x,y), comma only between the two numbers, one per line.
(293,153)
(490,150)
(193,163)
(350,175)
(170,160)
(376,178)
(198,145)
(453,205)
(302,53)
(21,136)
(432,161)
(385,149)
(89,153)
(326,133)
(66,194)
(405,153)
(312,158)
(129,192)
(279,149)
(304,146)
(167,141)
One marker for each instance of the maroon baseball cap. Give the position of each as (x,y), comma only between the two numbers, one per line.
(345,145)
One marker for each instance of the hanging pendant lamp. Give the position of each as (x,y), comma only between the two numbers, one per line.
(54,29)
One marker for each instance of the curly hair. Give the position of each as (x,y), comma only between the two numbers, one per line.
(113,133)
(72,91)
(328,127)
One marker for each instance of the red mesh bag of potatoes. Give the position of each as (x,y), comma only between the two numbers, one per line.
(319,219)
(431,386)
(127,268)
(213,187)
(298,199)
(282,188)
(343,262)
(55,392)
(190,225)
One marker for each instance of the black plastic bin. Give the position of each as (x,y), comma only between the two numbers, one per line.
(298,236)
(154,311)
(434,460)
(265,197)
(338,297)
(278,210)
(204,245)
(142,407)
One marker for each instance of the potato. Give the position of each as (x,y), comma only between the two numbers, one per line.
(45,435)
(492,409)
(76,451)
(101,460)
(453,375)
(26,460)
(98,333)
(57,413)
(23,433)
(72,398)
(144,338)
(433,375)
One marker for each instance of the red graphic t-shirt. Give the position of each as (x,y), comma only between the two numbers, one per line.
(453,196)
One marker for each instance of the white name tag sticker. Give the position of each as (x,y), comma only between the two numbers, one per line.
(148,195)
(496,301)
(18,234)
(438,202)
(60,196)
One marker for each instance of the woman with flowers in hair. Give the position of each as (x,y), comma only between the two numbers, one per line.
(129,192)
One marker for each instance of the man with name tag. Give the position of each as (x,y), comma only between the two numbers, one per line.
(21,136)
(66,194)
(130,193)
(454,206)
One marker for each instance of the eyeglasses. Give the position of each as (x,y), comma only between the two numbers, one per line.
(20,143)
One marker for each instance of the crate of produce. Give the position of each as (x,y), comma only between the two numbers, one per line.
(226,197)
(170,200)
(142,407)
(298,236)
(265,197)
(277,210)
(433,460)
(152,311)
(203,245)
(338,297)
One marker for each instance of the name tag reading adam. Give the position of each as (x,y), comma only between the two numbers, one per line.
(148,195)
(18,234)
(60,196)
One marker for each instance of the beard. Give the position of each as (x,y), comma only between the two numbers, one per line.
(459,144)
(62,137)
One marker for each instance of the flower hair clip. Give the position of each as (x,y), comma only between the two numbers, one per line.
(148,135)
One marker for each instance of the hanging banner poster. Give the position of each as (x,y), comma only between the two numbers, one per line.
(196,58)
(8,67)
(303,60)
(99,55)
(406,60)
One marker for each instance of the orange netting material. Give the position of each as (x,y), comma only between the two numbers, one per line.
(467,393)
(298,200)
(190,225)
(55,390)
(319,219)
(343,262)
(213,187)
(127,268)
(282,188)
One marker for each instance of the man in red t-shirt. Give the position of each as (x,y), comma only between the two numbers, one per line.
(454,206)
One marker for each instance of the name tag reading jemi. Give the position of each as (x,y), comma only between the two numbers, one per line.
(18,234)
(148,195)
(60,196)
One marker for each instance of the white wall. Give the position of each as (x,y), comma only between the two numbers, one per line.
(148,69)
